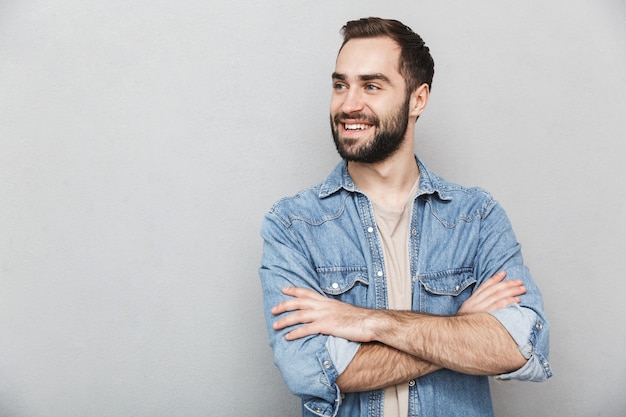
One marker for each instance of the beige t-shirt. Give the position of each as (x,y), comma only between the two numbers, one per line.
(393,228)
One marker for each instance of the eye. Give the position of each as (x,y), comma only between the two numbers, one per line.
(371,87)
(339,86)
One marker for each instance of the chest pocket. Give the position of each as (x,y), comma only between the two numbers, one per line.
(348,284)
(444,292)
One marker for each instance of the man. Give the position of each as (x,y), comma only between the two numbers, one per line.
(389,291)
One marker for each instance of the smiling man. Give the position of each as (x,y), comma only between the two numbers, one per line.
(390,292)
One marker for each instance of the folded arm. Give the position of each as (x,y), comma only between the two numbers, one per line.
(378,366)
(474,344)
(379,363)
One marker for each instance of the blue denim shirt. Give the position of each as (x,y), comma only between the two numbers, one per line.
(325,238)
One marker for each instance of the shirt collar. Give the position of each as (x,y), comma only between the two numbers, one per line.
(339,179)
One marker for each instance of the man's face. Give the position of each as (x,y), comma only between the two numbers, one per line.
(369,111)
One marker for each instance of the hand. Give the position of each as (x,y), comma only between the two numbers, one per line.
(321,315)
(493,294)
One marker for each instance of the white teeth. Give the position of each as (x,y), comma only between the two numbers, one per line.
(356,126)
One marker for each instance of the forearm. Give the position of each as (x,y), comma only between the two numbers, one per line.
(474,344)
(378,366)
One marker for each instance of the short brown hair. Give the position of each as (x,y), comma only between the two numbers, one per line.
(416,64)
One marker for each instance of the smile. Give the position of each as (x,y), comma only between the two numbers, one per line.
(356,126)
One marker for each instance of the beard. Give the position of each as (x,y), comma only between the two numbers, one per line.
(388,135)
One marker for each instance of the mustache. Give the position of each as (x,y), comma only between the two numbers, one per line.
(356,116)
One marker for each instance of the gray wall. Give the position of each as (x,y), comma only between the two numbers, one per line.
(142,141)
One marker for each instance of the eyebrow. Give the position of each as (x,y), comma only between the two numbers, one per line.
(364,77)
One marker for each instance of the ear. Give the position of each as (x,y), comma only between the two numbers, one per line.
(418,100)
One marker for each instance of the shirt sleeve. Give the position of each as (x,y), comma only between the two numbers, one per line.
(523,324)
(305,364)
(499,250)
(341,352)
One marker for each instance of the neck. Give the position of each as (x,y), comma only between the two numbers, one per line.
(388,182)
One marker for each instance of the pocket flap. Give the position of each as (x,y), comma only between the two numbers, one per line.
(335,281)
(452,282)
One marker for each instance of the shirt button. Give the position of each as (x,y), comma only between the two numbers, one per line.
(335,285)
(370,229)
(458,287)
(414,232)
(326,364)
(318,409)
(412,383)
(380,273)
(539,326)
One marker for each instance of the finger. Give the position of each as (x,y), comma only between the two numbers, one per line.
(512,287)
(497,277)
(283,307)
(502,303)
(302,331)
(300,292)
(504,294)
(489,282)
(517,290)
(496,296)
(502,299)
(292,305)
(488,306)
(299,300)
(299,317)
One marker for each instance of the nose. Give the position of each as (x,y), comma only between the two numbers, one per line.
(353,101)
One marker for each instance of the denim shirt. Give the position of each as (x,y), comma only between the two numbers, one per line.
(325,238)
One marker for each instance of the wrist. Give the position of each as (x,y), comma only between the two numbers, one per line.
(380,325)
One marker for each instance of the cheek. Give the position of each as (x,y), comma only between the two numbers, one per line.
(335,105)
